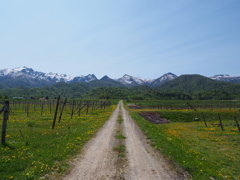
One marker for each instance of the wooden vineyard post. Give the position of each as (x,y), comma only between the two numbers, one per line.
(42,108)
(93,104)
(73,103)
(5,111)
(237,123)
(65,101)
(56,111)
(204,119)
(220,122)
(50,106)
(34,105)
(27,108)
(87,103)
(104,104)
(191,106)
(79,108)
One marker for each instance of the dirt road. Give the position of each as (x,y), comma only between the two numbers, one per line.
(100,161)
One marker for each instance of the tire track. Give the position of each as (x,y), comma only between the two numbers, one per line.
(98,159)
(144,162)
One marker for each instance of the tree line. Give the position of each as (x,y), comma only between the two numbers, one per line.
(138,93)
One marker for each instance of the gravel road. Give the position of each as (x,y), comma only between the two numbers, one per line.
(98,160)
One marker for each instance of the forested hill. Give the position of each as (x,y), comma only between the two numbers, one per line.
(195,83)
(183,87)
(200,87)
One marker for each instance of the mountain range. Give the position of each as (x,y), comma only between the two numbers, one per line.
(27,77)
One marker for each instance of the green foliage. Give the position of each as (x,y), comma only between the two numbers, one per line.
(216,94)
(74,90)
(104,83)
(120,136)
(201,87)
(121,150)
(22,81)
(108,93)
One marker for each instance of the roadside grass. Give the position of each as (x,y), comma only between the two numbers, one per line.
(188,115)
(205,152)
(185,104)
(34,150)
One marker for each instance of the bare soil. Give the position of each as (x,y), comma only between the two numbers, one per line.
(154,117)
(134,106)
(99,160)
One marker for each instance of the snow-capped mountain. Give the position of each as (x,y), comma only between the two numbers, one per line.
(226,78)
(133,81)
(164,78)
(25,76)
(29,73)
(88,78)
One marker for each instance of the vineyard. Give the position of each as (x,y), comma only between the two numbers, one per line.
(202,136)
(183,104)
(41,136)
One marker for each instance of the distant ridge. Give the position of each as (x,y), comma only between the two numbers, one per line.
(226,78)
(195,83)
(183,87)
(27,77)
(163,79)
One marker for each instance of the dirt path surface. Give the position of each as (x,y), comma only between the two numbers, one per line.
(100,161)
(144,162)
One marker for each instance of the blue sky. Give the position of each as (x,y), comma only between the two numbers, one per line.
(143,38)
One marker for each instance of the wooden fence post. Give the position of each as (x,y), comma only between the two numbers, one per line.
(50,106)
(191,106)
(64,103)
(79,108)
(204,119)
(5,110)
(220,121)
(87,102)
(27,109)
(42,108)
(73,104)
(56,111)
(237,123)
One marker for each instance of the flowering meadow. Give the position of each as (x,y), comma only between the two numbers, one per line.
(34,150)
(205,152)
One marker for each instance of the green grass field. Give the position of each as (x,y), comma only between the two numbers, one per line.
(188,104)
(205,152)
(33,149)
